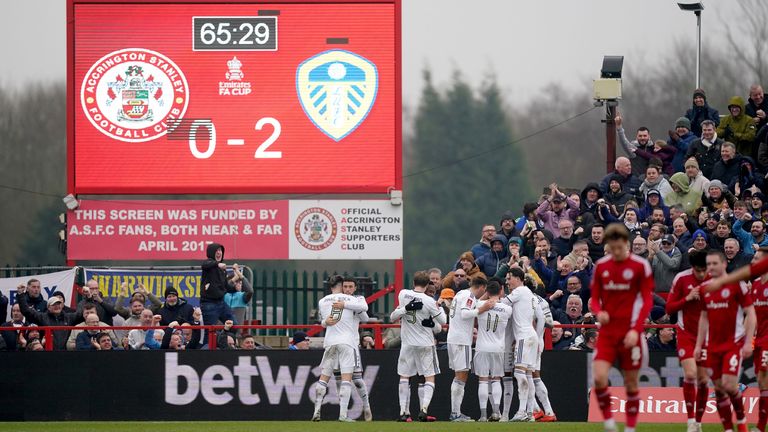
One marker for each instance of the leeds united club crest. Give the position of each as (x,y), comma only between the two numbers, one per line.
(337,90)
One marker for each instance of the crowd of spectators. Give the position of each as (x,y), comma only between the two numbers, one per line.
(141,308)
(700,188)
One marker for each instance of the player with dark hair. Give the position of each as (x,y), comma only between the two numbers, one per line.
(685,300)
(728,341)
(622,296)
(349,287)
(488,363)
(535,383)
(523,303)
(420,318)
(463,312)
(341,339)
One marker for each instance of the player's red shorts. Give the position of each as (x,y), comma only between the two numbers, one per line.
(724,363)
(610,347)
(760,358)
(686,343)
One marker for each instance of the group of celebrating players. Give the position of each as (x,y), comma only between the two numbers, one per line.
(720,320)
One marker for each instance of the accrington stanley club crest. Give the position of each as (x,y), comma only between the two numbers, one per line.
(130,94)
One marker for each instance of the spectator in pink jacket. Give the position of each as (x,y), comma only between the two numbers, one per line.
(553,209)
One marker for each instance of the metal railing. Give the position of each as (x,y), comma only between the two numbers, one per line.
(314,329)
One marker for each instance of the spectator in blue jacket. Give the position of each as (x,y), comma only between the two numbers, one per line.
(681,138)
(238,301)
(484,245)
(701,111)
(755,236)
(493,259)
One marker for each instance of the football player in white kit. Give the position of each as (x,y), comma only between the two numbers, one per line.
(534,380)
(419,316)
(460,336)
(341,339)
(489,358)
(524,311)
(349,287)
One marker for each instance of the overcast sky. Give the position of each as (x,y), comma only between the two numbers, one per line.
(526,44)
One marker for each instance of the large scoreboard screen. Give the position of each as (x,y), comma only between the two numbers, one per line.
(238,97)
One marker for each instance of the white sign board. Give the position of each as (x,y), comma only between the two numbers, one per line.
(345,229)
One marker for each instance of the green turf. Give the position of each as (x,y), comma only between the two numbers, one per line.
(326,426)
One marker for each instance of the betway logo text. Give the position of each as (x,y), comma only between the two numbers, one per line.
(250,382)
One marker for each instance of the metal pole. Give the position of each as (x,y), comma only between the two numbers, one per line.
(698,49)
(610,136)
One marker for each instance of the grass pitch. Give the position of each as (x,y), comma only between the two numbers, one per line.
(325,426)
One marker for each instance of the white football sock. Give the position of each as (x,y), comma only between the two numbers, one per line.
(522,389)
(482,396)
(403,390)
(426,399)
(344,394)
(320,390)
(509,391)
(543,395)
(531,404)
(496,395)
(457,395)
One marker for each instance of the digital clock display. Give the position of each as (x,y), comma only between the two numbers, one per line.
(234,33)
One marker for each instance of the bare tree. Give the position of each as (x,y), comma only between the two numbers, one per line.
(747,40)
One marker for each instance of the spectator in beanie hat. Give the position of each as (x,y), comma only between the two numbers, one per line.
(507,225)
(700,111)
(175,308)
(680,138)
(696,180)
(300,341)
(700,241)
(756,202)
(467,267)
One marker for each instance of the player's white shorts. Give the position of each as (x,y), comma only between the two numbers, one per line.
(488,364)
(526,351)
(459,357)
(358,368)
(417,360)
(344,358)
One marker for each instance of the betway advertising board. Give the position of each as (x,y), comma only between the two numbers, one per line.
(256,230)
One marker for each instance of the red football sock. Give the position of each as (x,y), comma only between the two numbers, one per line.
(689,393)
(762,417)
(633,408)
(604,401)
(702,396)
(738,405)
(724,409)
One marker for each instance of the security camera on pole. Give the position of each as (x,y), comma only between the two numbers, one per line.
(607,92)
